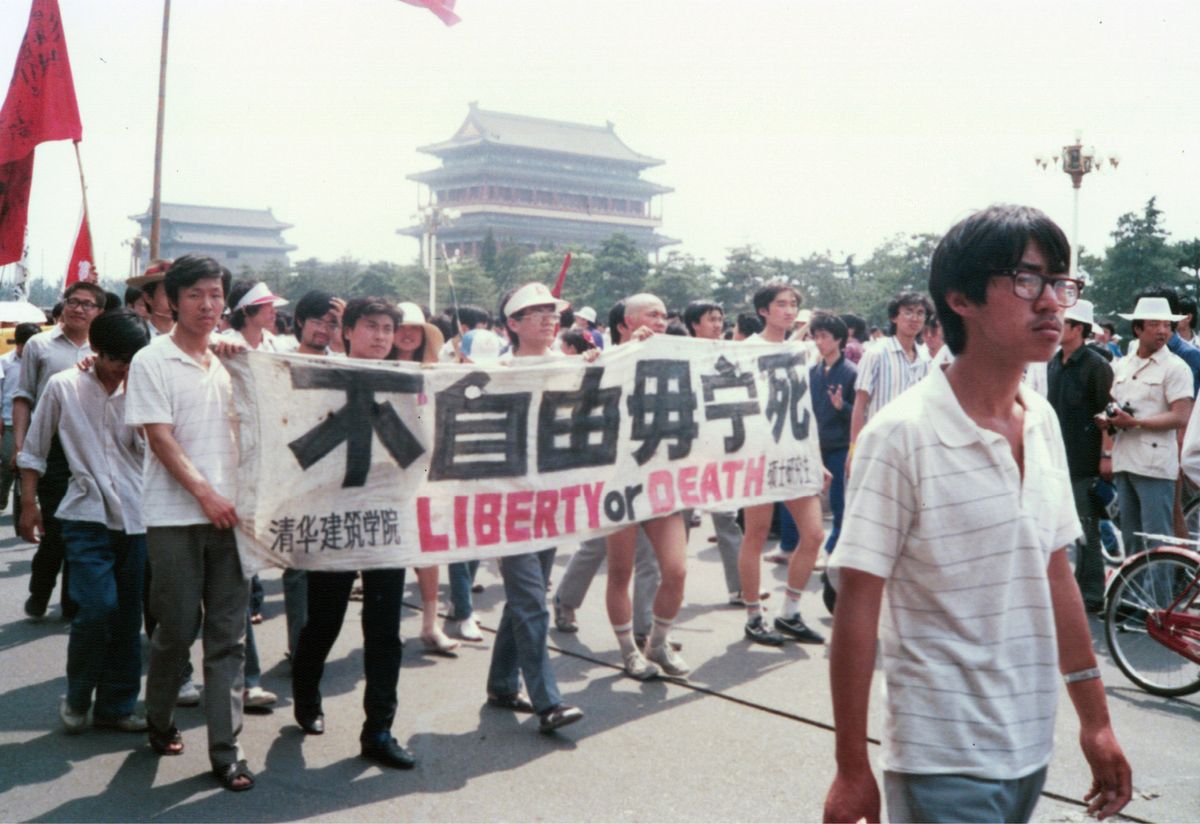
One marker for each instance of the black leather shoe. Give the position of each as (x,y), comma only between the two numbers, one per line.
(557,717)
(388,752)
(313,724)
(517,702)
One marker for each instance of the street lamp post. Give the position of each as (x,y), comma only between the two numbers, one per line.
(432,218)
(1077,161)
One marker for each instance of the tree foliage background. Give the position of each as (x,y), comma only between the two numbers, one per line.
(1142,254)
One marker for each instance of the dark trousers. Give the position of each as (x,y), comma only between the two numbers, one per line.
(1089,562)
(52,552)
(328,595)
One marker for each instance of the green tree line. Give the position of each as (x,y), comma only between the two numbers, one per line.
(1141,254)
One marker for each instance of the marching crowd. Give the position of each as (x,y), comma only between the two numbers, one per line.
(980,428)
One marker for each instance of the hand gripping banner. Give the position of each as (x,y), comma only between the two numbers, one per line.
(355,464)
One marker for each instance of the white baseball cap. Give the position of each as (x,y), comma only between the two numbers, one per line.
(482,346)
(532,294)
(587,313)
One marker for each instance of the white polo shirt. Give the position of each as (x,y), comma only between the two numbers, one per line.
(1149,385)
(166,385)
(938,508)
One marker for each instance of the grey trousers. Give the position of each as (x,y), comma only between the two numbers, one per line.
(729,544)
(584,564)
(1147,505)
(197,589)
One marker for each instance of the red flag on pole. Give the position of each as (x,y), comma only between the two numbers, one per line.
(40,106)
(444,9)
(82,266)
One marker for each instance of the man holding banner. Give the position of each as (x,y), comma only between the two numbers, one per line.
(180,394)
(531,315)
(778,304)
(646,315)
(369,330)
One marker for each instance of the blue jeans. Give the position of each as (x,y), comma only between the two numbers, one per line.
(949,797)
(520,646)
(835,462)
(462,576)
(104,654)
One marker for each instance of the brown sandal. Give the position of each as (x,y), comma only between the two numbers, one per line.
(166,742)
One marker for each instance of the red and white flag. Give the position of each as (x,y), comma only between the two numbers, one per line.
(82,265)
(444,9)
(40,106)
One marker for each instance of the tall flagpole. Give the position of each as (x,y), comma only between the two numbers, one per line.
(156,200)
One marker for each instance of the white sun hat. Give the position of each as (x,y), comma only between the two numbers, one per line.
(1082,312)
(1153,309)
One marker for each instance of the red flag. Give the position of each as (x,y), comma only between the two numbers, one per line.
(562,277)
(82,265)
(444,9)
(15,178)
(40,106)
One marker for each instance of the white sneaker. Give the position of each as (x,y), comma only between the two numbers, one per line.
(636,666)
(189,695)
(669,661)
(73,722)
(466,629)
(258,697)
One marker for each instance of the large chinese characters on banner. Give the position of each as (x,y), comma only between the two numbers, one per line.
(359,464)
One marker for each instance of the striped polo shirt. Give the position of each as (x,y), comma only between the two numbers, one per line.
(938,508)
(885,371)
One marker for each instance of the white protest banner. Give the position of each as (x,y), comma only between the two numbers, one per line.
(356,464)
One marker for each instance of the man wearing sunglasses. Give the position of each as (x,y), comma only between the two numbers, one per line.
(45,354)
(960,509)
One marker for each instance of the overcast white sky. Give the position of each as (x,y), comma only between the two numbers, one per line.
(795,126)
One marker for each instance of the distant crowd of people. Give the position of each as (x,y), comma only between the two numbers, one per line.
(962,454)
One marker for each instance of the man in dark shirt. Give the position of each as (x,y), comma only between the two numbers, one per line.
(832,380)
(1079,381)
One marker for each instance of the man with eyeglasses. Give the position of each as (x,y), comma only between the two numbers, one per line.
(893,364)
(960,511)
(1152,399)
(46,354)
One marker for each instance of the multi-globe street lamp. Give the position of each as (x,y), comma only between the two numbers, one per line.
(1077,161)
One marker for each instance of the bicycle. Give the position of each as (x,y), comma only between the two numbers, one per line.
(1152,619)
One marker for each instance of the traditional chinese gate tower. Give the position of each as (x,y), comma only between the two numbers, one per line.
(533,181)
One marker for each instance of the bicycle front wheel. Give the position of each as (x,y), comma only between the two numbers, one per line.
(1150,583)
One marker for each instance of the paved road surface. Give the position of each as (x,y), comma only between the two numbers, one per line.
(749,738)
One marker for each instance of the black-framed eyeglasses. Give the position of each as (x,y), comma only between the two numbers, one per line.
(1030,285)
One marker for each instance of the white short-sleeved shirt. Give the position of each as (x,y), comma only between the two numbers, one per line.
(938,508)
(166,385)
(10,367)
(45,354)
(1150,385)
(267,344)
(105,454)
(885,372)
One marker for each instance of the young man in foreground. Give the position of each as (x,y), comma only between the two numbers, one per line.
(960,508)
